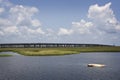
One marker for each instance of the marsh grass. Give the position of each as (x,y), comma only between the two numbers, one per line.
(48,53)
(59,51)
(5,55)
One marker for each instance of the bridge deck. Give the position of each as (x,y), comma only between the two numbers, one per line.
(46,45)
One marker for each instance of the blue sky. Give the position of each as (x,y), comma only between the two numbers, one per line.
(63,12)
(76,21)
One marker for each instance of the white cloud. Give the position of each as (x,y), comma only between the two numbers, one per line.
(27,11)
(40,31)
(118,27)
(103,17)
(36,23)
(64,31)
(96,11)
(4,22)
(82,27)
(20,20)
(101,27)
(11,29)
(102,20)
(28,31)
(50,32)
(1,10)
(24,15)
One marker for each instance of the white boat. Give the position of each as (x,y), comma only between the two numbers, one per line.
(96,65)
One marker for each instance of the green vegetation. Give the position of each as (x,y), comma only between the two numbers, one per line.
(5,55)
(59,51)
(47,52)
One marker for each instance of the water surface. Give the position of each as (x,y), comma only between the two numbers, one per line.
(68,67)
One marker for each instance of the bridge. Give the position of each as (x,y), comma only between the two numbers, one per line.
(47,45)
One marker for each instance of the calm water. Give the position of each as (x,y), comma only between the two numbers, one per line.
(69,67)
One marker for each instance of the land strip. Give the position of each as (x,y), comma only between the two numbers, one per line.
(59,51)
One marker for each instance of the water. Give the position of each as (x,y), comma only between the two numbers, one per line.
(69,67)
(11,53)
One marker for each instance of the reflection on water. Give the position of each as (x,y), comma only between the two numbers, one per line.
(69,67)
(12,53)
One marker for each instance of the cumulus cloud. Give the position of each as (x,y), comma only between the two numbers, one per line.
(101,20)
(96,11)
(11,29)
(82,27)
(103,17)
(36,23)
(64,31)
(17,18)
(36,31)
(101,26)
(24,16)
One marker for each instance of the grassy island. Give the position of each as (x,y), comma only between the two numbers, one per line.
(59,51)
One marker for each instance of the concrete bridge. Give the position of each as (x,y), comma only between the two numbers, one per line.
(46,45)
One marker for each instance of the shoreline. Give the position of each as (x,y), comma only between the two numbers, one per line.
(58,51)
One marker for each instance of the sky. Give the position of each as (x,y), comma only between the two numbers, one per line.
(60,21)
